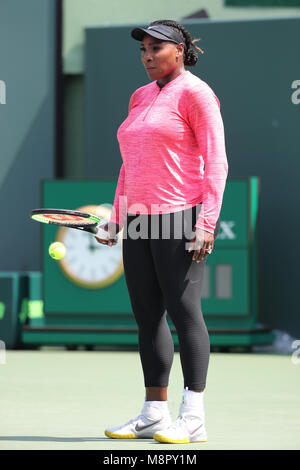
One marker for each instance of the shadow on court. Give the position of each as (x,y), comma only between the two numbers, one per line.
(70,439)
(50,439)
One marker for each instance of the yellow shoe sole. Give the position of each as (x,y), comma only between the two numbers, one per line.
(114,435)
(160,438)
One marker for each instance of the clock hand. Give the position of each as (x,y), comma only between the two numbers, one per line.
(93,245)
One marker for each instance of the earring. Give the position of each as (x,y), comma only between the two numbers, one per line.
(176,59)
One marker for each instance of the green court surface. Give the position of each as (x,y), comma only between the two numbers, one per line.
(57,399)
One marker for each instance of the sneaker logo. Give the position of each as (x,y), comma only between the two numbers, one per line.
(195,430)
(142,428)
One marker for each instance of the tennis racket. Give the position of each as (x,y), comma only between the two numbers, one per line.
(72,219)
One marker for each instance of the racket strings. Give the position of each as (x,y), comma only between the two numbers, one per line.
(69,220)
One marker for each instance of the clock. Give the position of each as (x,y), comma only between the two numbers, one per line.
(88,263)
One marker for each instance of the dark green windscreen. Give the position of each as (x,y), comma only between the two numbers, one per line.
(27,52)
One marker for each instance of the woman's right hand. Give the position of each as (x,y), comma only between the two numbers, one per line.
(112,228)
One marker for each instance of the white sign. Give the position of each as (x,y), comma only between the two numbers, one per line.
(2,92)
(2,353)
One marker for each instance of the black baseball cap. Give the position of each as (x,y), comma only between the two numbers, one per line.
(159,31)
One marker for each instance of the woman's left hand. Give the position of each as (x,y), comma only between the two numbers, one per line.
(202,244)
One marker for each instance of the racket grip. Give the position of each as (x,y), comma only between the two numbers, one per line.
(103,234)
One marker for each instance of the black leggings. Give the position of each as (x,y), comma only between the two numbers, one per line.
(162,278)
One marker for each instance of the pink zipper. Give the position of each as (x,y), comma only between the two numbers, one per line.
(153,101)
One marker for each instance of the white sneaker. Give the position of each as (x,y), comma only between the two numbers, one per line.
(151,420)
(188,427)
(183,431)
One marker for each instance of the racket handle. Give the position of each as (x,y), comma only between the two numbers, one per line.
(103,234)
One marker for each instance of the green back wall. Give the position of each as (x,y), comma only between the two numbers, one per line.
(27,125)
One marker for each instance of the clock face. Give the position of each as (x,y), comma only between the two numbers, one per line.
(88,263)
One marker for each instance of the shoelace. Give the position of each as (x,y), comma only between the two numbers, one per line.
(179,422)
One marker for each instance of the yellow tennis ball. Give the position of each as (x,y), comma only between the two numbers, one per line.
(57,250)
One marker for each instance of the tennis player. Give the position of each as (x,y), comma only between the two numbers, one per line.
(173,178)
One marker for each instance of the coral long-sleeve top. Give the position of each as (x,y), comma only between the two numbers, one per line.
(173,149)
